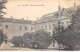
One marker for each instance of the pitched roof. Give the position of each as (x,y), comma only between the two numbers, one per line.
(52,16)
(20,21)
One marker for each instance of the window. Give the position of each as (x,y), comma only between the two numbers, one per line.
(49,26)
(42,27)
(6,26)
(20,27)
(45,26)
(25,28)
(62,24)
(31,28)
(38,27)
(59,24)
(0,24)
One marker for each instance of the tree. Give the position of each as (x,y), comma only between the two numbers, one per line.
(1,37)
(2,6)
(28,39)
(70,36)
(42,39)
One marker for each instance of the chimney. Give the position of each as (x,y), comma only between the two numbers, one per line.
(11,17)
(59,7)
(22,18)
(37,19)
(27,17)
(74,5)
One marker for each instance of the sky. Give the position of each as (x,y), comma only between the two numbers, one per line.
(33,9)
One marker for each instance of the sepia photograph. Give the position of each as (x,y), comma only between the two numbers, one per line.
(39,25)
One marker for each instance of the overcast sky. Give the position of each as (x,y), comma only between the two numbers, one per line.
(23,8)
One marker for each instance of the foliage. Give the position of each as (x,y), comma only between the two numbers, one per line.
(1,37)
(28,39)
(17,41)
(70,36)
(25,41)
(43,39)
(2,6)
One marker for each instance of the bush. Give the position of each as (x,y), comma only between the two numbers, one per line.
(17,41)
(42,39)
(24,41)
(1,37)
(28,39)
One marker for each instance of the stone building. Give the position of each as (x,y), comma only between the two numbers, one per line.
(15,27)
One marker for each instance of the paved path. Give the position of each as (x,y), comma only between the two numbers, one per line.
(8,47)
(5,46)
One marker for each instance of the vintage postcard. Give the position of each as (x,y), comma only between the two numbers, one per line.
(39,25)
